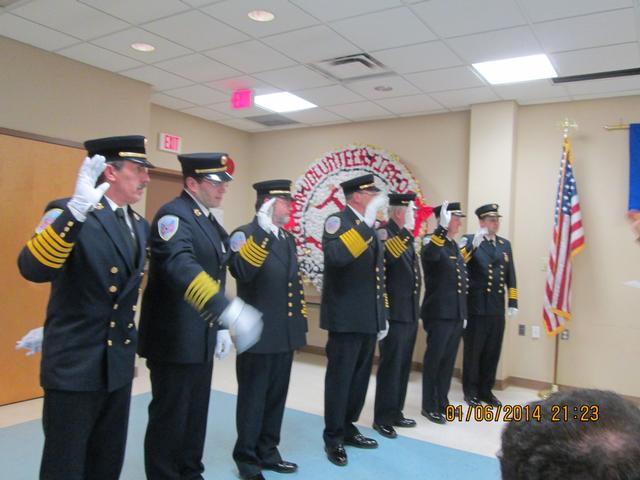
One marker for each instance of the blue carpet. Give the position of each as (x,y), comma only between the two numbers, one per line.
(403,458)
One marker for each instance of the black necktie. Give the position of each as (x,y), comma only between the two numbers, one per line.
(127,232)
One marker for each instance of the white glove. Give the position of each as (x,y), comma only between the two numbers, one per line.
(445,215)
(513,312)
(223,344)
(32,341)
(410,217)
(264,217)
(383,333)
(87,195)
(244,323)
(479,237)
(378,202)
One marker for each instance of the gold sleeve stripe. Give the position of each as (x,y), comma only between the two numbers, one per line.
(58,239)
(386,300)
(466,254)
(36,253)
(47,252)
(252,253)
(200,290)
(354,242)
(395,246)
(513,293)
(47,235)
(436,240)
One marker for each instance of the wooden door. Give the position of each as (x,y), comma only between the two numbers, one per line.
(32,173)
(165,185)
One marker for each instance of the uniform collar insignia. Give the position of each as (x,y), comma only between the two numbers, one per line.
(197,212)
(99,206)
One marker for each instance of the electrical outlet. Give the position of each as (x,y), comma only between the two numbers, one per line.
(535,331)
(522,329)
(564,335)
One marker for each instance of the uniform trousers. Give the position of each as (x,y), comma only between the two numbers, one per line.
(482,345)
(85,434)
(350,357)
(443,338)
(263,383)
(174,441)
(396,352)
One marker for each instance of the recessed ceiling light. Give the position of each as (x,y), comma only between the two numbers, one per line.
(282,102)
(261,16)
(383,88)
(518,69)
(143,47)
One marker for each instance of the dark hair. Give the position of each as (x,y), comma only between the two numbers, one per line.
(348,196)
(117,164)
(570,449)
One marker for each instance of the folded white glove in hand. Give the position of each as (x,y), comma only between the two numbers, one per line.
(264,216)
(244,323)
(377,203)
(445,215)
(383,333)
(87,195)
(223,344)
(410,217)
(513,312)
(32,341)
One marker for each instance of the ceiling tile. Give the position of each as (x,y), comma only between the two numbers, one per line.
(169,102)
(446,79)
(588,31)
(205,113)
(159,79)
(198,68)
(367,88)
(242,124)
(198,94)
(312,44)
(508,43)
(98,57)
(294,78)
(314,116)
(606,85)
(331,95)
(138,11)
(121,43)
(195,30)
(410,104)
(33,34)
(387,29)
(462,17)
(225,107)
(70,17)
(250,57)
(465,98)
(590,96)
(360,110)
(243,82)
(542,10)
(417,58)
(287,16)
(328,10)
(538,89)
(601,59)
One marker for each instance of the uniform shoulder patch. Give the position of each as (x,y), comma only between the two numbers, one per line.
(462,242)
(237,240)
(332,224)
(168,226)
(382,234)
(48,218)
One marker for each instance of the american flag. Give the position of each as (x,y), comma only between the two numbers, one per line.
(568,240)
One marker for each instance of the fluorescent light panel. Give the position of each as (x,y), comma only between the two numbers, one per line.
(518,69)
(282,102)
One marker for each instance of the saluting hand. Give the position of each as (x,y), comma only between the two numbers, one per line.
(264,216)
(445,215)
(87,195)
(479,237)
(410,217)
(370,213)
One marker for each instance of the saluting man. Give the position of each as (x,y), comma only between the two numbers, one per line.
(402,273)
(444,308)
(185,317)
(493,276)
(354,311)
(265,266)
(92,249)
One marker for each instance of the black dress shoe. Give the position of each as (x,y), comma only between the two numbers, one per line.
(281,467)
(405,423)
(385,430)
(360,441)
(257,476)
(337,455)
(473,401)
(492,400)
(435,417)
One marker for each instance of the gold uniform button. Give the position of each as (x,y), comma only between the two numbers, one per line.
(301,292)
(289,284)
(114,270)
(69,223)
(66,229)
(109,343)
(290,314)
(210,324)
(290,294)
(62,235)
(112,324)
(290,304)
(489,290)
(130,325)
(459,291)
(142,274)
(377,269)
(115,306)
(127,341)
(113,289)
(134,308)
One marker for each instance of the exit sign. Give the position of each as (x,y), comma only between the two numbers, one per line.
(170,143)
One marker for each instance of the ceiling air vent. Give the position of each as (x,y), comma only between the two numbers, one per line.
(272,120)
(351,67)
(596,76)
